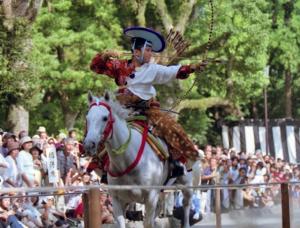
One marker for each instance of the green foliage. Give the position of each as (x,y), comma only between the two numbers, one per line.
(67,38)
(19,82)
(48,115)
(284,55)
(45,66)
(196,123)
(245,53)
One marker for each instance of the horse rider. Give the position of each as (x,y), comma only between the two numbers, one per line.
(136,78)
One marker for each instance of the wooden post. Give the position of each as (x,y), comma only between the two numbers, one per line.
(218,207)
(92,208)
(85,200)
(285,205)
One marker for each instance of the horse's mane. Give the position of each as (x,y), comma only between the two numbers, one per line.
(117,108)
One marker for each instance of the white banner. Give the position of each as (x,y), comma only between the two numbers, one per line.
(52,164)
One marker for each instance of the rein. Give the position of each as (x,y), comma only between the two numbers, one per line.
(109,126)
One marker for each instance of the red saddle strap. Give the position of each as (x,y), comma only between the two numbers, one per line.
(137,159)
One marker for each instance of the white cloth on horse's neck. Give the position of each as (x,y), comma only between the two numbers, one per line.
(149,74)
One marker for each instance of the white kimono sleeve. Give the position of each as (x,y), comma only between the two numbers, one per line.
(165,74)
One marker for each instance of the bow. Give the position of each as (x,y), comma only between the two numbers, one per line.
(199,67)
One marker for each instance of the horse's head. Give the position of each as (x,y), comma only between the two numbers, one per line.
(99,123)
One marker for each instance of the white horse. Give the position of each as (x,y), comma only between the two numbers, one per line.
(106,122)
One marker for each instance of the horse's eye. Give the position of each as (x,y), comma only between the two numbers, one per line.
(105,118)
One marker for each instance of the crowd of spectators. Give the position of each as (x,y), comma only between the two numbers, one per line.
(40,161)
(225,166)
(228,166)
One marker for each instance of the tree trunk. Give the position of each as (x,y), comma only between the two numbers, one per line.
(254,109)
(288,80)
(18,119)
(288,94)
(69,114)
(12,13)
(69,119)
(141,13)
(230,85)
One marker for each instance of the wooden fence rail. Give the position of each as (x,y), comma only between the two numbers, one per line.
(92,207)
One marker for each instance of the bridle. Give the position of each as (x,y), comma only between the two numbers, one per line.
(108,130)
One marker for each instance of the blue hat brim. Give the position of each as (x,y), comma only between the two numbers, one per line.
(157,40)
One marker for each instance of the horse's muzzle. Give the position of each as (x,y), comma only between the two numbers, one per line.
(89,147)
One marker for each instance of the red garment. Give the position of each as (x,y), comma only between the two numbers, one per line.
(99,163)
(81,148)
(120,69)
(92,166)
(117,69)
(184,72)
(79,210)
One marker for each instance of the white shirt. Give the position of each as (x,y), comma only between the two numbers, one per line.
(3,161)
(3,169)
(25,164)
(12,173)
(147,75)
(73,202)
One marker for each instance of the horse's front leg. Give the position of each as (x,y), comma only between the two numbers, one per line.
(150,208)
(119,212)
(187,197)
(187,201)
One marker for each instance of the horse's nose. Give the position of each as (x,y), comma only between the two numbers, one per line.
(89,145)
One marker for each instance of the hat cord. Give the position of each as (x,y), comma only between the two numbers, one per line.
(140,59)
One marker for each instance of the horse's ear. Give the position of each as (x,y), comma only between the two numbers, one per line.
(90,97)
(106,96)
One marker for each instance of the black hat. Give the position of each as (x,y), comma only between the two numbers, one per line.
(142,35)
(38,145)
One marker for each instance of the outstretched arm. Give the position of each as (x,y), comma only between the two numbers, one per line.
(164,74)
(185,70)
(103,63)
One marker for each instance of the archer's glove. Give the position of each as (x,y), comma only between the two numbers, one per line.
(199,67)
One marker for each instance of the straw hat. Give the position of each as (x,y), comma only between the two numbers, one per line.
(41,129)
(62,136)
(13,146)
(35,137)
(7,135)
(24,140)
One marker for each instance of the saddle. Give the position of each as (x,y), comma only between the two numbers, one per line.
(153,141)
(138,123)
